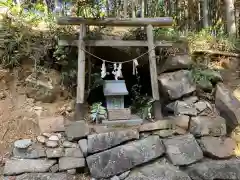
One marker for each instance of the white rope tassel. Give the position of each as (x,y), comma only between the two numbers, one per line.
(119,72)
(104,71)
(114,72)
(135,64)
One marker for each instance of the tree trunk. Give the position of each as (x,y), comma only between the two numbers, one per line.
(231,25)
(125,8)
(205,13)
(133,9)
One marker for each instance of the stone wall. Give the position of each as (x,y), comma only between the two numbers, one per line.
(191,143)
(166,149)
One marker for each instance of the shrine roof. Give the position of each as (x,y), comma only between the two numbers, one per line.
(113,88)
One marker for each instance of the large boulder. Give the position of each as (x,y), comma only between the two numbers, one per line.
(34,152)
(216,147)
(103,141)
(176,84)
(182,108)
(158,170)
(42,176)
(183,150)
(66,163)
(215,169)
(205,125)
(44,86)
(19,166)
(176,62)
(158,125)
(77,130)
(228,105)
(122,158)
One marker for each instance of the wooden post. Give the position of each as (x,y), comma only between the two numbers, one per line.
(80,107)
(153,72)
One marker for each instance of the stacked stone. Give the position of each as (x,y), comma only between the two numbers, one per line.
(56,153)
(164,149)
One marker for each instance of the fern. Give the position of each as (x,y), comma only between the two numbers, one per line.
(98,112)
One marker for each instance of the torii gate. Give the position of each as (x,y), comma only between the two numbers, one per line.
(150,43)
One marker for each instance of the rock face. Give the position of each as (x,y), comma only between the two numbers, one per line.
(13,167)
(23,143)
(182,108)
(228,105)
(177,62)
(217,147)
(183,150)
(158,170)
(122,158)
(73,152)
(213,170)
(34,152)
(83,144)
(51,124)
(42,176)
(45,88)
(204,125)
(103,141)
(162,124)
(176,84)
(66,163)
(55,152)
(77,130)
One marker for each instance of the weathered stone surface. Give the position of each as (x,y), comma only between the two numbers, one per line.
(214,170)
(228,105)
(204,125)
(23,143)
(53,138)
(122,158)
(66,163)
(72,171)
(182,108)
(13,167)
(176,84)
(41,139)
(51,124)
(77,130)
(183,150)
(33,152)
(45,88)
(55,152)
(42,176)
(115,178)
(52,144)
(68,144)
(217,147)
(177,62)
(158,171)
(54,168)
(161,124)
(200,106)
(164,133)
(181,121)
(124,175)
(83,146)
(73,152)
(190,100)
(103,141)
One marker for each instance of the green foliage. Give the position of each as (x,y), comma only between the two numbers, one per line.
(142,105)
(97,112)
(206,40)
(204,77)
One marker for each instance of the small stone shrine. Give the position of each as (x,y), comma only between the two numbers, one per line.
(115,90)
